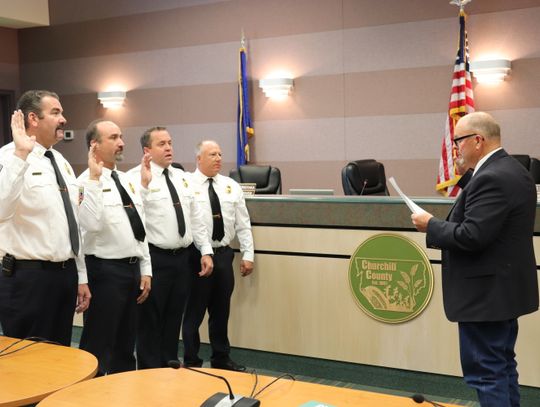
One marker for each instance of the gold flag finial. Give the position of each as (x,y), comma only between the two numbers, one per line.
(460,3)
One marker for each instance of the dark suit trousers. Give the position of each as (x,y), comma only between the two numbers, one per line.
(111,320)
(213,294)
(39,300)
(160,316)
(488,361)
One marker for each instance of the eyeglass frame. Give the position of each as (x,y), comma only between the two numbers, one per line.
(458,139)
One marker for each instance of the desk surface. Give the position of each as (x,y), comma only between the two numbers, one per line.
(168,387)
(31,374)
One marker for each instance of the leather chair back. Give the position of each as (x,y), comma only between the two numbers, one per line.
(531,164)
(364,177)
(266,177)
(524,159)
(535,170)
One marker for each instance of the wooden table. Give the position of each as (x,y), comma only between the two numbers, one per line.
(168,387)
(31,374)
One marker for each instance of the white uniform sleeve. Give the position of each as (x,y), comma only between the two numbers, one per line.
(11,184)
(243,230)
(201,238)
(91,207)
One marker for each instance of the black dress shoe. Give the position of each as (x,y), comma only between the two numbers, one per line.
(228,365)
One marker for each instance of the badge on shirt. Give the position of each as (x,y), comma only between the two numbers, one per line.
(81,194)
(154,190)
(185,183)
(68,170)
(228,189)
(36,173)
(132,188)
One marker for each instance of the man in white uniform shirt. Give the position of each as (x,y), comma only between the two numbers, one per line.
(226,215)
(39,233)
(173,223)
(117,257)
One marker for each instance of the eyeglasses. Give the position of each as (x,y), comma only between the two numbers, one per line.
(458,139)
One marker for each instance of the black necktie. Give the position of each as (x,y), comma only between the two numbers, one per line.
(176,203)
(131,210)
(72,223)
(218,230)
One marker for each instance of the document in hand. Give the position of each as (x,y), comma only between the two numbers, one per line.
(408,201)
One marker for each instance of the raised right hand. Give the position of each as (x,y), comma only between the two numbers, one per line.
(94,167)
(146,171)
(24,144)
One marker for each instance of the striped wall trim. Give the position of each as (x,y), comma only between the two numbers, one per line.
(339,227)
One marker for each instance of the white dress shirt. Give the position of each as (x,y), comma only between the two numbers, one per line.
(233,209)
(105,226)
(484,159)
(161,222)
(33,221)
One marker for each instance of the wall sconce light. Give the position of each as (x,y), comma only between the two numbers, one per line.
(112,99)
(276,87)
(490,71)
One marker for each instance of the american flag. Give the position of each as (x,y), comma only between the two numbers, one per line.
(461,103)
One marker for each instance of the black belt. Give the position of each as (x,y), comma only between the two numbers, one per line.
(129,260)
(171,252)
(44,264)
(220,249)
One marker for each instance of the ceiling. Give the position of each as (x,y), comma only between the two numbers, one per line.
(24,14)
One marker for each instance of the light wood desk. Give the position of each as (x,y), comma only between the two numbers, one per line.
(31,374)
(168,387)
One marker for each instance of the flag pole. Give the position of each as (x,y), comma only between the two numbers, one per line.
(244,128)
(461,103)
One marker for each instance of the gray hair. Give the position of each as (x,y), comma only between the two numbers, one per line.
(199,146)
(484,124)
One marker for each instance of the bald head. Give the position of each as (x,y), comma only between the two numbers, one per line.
(481,123)
(475,135)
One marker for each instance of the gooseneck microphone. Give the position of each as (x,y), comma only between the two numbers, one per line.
(419,398)
(219,399)
(363,187)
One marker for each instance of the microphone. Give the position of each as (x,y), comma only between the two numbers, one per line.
(363,187)
(220,399)
(419,398)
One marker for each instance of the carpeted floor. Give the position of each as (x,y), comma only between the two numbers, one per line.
(439,388)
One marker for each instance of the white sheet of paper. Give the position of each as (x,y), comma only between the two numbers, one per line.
(408,201)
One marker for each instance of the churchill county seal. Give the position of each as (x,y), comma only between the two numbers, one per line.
(391,278)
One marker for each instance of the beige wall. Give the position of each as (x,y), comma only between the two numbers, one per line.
(372,79)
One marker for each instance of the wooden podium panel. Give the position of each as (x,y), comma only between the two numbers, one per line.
(33,373)
(168,387)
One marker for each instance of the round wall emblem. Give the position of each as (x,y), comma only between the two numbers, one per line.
(391,278)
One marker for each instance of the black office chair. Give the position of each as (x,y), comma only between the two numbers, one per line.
(535,169)
(531,164)
(267,178)
(524,159)
(364,177)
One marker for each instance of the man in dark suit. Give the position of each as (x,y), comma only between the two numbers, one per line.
(489,273)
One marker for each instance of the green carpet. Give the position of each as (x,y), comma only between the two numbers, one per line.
(439,388)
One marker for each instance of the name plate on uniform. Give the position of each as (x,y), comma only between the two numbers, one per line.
(538,192)
(248,188)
